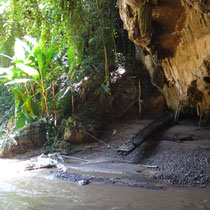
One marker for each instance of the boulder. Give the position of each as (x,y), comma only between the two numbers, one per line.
(30,137)
(75,136)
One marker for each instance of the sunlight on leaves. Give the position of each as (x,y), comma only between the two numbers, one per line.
(27,69)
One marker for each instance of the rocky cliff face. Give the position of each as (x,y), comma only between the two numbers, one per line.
(172,39)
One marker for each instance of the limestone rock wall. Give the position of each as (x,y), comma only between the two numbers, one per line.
(172,39)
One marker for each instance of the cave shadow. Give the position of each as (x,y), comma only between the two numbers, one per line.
(142,152)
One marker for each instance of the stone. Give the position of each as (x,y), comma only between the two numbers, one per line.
(30,137)
(74,136)
(83,182)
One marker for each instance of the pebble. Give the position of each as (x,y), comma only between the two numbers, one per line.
(83,182)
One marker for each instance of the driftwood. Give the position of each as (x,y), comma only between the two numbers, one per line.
(143,134)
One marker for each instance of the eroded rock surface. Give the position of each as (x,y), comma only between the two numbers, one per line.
(172,39)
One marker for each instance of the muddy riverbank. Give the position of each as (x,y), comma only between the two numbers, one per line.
(178,156)
(170,171)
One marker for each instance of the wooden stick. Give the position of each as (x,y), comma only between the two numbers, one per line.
(139,98)
(72,99)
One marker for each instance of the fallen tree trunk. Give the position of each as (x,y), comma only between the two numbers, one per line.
(143,134)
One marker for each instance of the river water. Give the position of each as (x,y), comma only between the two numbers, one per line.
(38,190)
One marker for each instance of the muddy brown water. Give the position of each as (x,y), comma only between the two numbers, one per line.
(39,190)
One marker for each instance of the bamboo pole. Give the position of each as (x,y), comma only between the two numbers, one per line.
(33,92)
(54,101)
(45,98)
(72,99)
(27,91)
(106,66)
(105,48)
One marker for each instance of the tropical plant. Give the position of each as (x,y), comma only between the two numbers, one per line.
(81,32)
(30,78)
(88,25)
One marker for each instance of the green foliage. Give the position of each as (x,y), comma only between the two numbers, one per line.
(68,22)
(32,78)
(6,108)
(52,136)
(70,37)
(29,80)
